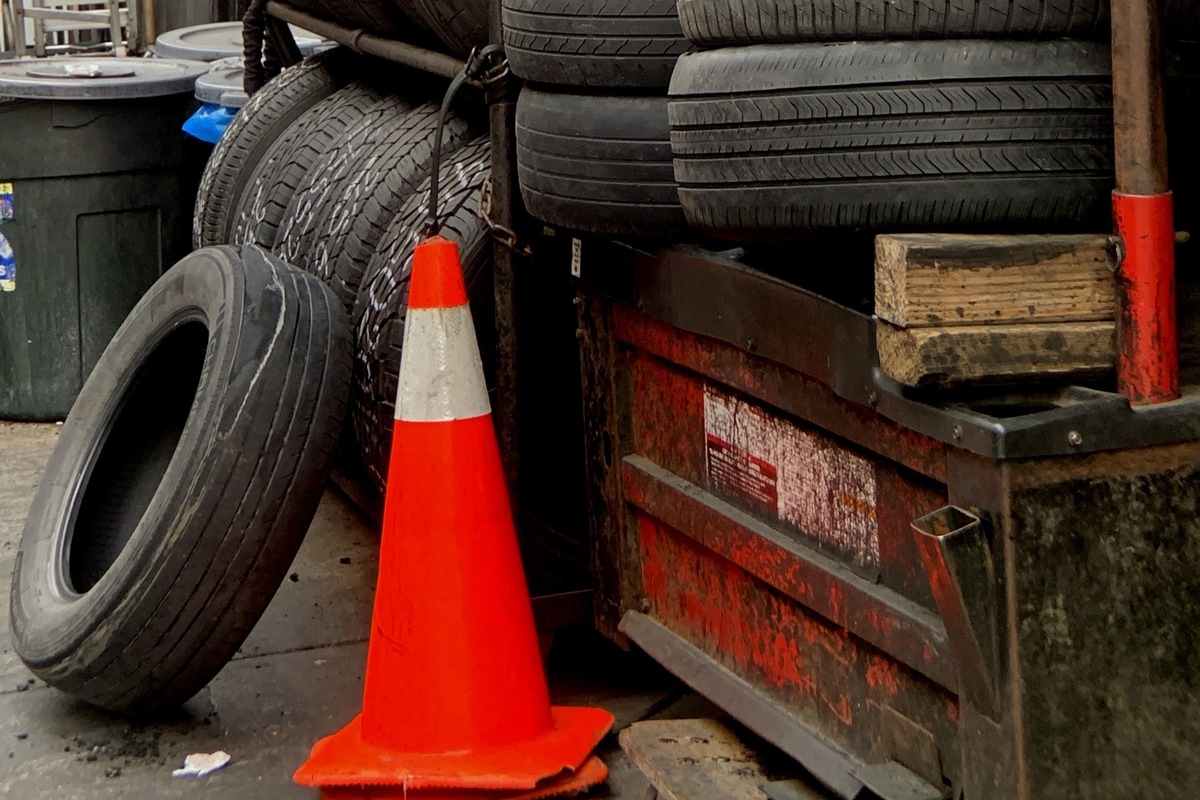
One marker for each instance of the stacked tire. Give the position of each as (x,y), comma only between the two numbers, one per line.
(908,115)
(593,144)
(330,172)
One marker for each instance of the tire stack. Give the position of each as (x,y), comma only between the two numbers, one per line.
(593,149)
(892,115)
(330,171)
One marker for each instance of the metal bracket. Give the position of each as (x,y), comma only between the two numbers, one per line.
(507,237)
(965,582)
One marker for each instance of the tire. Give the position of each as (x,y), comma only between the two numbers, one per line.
(598,164)
(183,482)
(380,16)
(290,161)
(462,25)
(261,121)
(379,312)
(774,140)
(593,43)
(334,220)
(732,22)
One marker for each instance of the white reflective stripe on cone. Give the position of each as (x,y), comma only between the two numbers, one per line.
(441,374)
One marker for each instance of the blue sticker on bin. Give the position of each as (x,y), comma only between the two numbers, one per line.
(6,202)
(8,266)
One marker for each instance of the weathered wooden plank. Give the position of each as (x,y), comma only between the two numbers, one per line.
(950,355)
(928,280)
(694,759)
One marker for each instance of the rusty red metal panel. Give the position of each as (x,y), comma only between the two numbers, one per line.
(846,501)
(832,680)
(785,389)
(893,624)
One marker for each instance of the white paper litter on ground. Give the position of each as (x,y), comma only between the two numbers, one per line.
(200,764)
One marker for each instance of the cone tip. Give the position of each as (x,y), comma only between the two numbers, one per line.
(437,278)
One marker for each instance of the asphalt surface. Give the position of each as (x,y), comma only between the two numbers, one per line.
(297,677)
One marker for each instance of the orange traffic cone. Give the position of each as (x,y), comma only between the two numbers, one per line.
(455,694)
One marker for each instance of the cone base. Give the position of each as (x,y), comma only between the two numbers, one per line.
(344,759)
(592,773)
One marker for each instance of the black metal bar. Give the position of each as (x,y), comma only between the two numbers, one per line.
(835,769)
(368,43)
(504,212)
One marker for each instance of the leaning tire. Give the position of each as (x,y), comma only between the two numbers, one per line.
(462,25)
(598,164)
(594,43)
(778,139)
(290,161)
(334,220)
(259,123)
(731,22)
(183,481)
(380,310)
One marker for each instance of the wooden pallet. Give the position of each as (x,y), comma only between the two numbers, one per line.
(956,308)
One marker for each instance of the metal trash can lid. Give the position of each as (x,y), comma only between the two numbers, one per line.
(97,78)
(222,85)
(217,40)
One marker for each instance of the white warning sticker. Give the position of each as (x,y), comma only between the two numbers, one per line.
(801,477)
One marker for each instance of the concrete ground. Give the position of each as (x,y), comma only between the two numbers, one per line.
(298,677)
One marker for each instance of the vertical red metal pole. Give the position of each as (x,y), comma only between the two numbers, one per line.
(1148,357)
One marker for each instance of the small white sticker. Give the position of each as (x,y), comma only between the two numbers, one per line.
(576,256)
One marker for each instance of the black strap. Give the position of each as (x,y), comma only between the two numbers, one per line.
(486,65)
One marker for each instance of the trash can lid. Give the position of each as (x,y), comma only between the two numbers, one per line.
(222,85)
(217,40)
(97,78)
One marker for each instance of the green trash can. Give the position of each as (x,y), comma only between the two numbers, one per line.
(97,185)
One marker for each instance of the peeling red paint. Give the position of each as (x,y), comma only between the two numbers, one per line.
(882,673)
(881,623)
(819,670)
(835,604)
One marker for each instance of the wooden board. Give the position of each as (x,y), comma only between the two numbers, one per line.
(694,759)
(932,280)
(951,355)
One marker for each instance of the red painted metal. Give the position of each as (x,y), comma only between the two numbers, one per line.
(880,618)
(1148,361)
(788,390)
(817,669)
